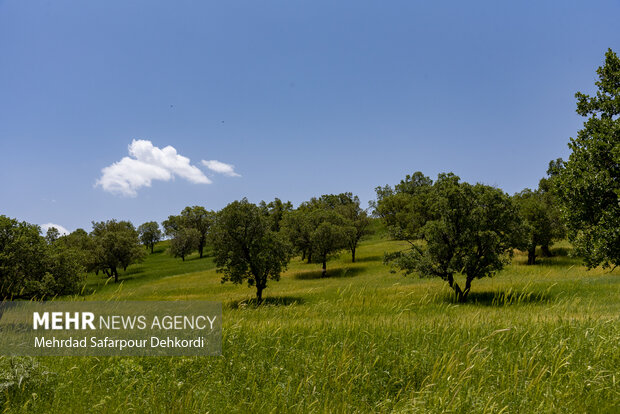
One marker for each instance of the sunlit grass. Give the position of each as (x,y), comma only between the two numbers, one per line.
(538,338)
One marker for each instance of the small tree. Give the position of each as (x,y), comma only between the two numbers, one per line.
(246,248)
(200,219)
(357,221)
(298,228)
(541,219)
(547,187)
(404,208)
(330,235)
(116,245)
(345,219)
(471,229)
(197,218)
(588,184)
(149,234)
(184,242)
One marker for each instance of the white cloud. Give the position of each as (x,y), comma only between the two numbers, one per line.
(221,168)
(60,228)
(149,163)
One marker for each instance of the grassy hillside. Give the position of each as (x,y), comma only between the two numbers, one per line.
(538,338)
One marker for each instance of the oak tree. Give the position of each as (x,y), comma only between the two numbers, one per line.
(184,242)
(115,246)
(246,248)
(467,229)
(588,183)
(149,234)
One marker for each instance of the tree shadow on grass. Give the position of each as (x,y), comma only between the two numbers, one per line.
(561,261)
(205,256)
(331,273)
(369,259)
(561,257)
(554,261)
(130,272)
(499,299)
(267,301)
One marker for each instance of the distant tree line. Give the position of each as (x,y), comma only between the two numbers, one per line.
(452,228)
(255,243)
(32,265)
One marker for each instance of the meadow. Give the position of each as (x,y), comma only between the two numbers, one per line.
(542,338)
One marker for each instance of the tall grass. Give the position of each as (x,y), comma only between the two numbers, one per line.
(541,338)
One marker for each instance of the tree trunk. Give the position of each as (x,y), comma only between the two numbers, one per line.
(467,289)
(324,272)
(259,293)
(115,273)
(455,286)
(353,255)
(531,256)
(545,251)
(183,257)
(152,246)
(309,256)
(303,255)
(200,249)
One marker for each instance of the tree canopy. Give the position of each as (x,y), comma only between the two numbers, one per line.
(355,223)
(455,227)
(541,218)
(184,242)
(33,266)
(149,234)
(326,225)
(275,211)
(197,218)
(329,235)
(115,245)
(246,247)
(588,183)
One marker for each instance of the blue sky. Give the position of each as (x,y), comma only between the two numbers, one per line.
(302,97)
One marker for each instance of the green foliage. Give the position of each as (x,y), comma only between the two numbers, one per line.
(330,235)
(32,267)
(298,228)
(326,225)
(52,235)
(275,211)
(588,184)
(184,242)
(356,221)
(172,225)
(405,208)
(66,271)
(115,245)
(468,229)
(80,244)
(149,234)
(541,218)
(197,218)
(246,248)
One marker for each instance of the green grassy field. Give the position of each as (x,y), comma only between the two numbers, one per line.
(542,338)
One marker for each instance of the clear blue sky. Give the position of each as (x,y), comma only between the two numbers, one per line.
(302,97)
